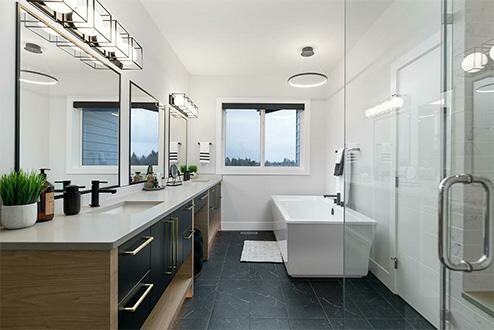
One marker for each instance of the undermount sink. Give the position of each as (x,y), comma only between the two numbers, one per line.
(199,180)
(128,207)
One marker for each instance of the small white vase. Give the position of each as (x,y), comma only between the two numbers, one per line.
(19,216)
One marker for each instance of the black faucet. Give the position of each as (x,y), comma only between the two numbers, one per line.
(336,200)
(96,190)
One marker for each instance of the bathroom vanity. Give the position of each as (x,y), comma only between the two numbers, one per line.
(125,265)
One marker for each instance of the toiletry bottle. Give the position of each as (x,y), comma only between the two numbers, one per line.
(46,205)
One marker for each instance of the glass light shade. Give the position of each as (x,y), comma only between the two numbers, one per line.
(62,6)
(135,60)
(474,62)
(491,53)
(98,24)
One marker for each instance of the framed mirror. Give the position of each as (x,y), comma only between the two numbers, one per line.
(146,146)
(67,109)
(177,139)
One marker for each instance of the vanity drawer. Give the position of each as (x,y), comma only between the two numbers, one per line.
(186,231)
(136,306)
(134,260)
(201,201)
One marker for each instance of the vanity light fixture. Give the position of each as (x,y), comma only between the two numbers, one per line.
(474,62)
(37,78)
(91,23)
(307,79)
(184,104)
(396,102)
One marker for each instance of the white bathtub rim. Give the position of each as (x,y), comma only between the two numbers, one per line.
(360,219)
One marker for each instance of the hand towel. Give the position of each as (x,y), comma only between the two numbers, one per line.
(204,152)
(339,162)
(174,148)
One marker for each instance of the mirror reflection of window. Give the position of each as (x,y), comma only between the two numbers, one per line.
(145,146)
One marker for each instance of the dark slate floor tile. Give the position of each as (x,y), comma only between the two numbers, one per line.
(298,288)
(265,271)
(267,307)
(201,306)
(230,306)
(377,308)
(383,324)
(269,324)
(304,308)
(350,324)
(229,324)
(236,270)
(191,324)
(306,324)
(420,324)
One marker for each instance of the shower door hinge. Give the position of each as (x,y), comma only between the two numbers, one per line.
(395,262)
(397,181)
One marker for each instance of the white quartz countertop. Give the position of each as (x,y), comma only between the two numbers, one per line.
(90,230)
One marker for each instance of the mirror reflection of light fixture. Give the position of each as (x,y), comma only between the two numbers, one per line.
(37,78)
(491,52)
(183,104)
(474,62)
(488,88)
(396,102)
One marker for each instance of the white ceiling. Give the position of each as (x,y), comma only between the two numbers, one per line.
(260,37)
(250,37)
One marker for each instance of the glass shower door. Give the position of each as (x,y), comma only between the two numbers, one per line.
(466,193)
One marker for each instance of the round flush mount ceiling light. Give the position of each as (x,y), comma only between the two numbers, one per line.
(474,62)
(307,80)
(489,88)
(37,78)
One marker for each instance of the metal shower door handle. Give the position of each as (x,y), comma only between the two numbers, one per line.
(444,237)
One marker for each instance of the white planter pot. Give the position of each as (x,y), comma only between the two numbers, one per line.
(19,216)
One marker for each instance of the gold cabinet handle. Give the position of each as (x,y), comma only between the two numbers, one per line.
(140,300)
(189,208)
(204,197)
(148,240)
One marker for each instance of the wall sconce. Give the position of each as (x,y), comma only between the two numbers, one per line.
(396,102)
(184,104)
(94,25)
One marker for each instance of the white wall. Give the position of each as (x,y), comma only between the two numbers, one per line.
(163,72)
(247,198)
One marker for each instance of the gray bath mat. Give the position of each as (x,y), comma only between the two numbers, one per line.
(261,251)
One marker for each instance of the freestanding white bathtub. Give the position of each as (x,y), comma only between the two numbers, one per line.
(310,232)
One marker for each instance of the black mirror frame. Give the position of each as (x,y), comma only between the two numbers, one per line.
(165,151)
(17,125)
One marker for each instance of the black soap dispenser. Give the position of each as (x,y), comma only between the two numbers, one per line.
(72,200)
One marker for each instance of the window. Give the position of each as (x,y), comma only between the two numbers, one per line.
(100,129)
(263,138)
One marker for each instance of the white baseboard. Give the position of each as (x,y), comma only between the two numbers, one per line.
(245,225)
(382,274)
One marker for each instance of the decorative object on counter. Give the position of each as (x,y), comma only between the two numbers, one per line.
(72,200)
(20,192)
(205,152)
(46,205)
(92,24)
(184,105)
(193,170)
(174,176)
(185,172)
(151,183)
(137,177)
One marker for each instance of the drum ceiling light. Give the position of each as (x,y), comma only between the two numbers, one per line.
(91,23)
(307,79)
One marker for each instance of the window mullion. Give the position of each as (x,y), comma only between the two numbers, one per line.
(262,138)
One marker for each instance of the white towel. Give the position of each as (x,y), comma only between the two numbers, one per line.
(339,156)
(174,152)
(204,152)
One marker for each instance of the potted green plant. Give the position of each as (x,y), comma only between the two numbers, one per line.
(20,192)
(193,170)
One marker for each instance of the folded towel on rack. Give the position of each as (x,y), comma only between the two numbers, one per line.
(339,162)
(204,152)
(174,152)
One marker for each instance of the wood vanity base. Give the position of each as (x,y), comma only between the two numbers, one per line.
(58,289)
